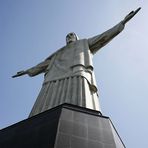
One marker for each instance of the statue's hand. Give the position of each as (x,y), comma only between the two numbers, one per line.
(20,73)
(130,15)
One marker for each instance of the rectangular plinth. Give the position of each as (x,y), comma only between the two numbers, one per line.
(65,126)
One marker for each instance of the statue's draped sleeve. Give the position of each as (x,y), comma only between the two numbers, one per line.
(40,68)
(96,42)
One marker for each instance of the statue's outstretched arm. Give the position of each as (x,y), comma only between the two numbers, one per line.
(97,42)
(40,68)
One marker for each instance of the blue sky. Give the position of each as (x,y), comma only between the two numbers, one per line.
(30,30)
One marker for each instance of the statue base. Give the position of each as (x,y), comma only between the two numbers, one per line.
(65,126)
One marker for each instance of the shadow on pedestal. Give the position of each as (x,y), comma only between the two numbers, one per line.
(65,126)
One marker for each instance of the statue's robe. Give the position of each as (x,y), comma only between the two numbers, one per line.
(69,75)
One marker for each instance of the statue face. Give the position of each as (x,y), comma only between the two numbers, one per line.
(71,37)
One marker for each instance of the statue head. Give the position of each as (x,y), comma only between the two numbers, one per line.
(71,37)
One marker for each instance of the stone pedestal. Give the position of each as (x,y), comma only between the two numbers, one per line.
(65,126)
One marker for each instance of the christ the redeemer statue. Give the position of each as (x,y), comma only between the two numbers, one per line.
(69,72)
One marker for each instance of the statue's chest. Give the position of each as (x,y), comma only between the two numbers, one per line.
(71,53)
